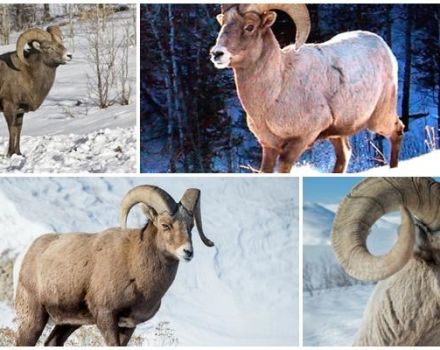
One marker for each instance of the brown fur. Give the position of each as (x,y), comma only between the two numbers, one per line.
(23,88)
(115,280)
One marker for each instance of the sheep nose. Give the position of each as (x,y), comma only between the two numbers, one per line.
(217,54)
(188,253)
(69,56)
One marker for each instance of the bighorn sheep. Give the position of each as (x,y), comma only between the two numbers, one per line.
(115,279)
(27,77)
(306,92)
(404,308)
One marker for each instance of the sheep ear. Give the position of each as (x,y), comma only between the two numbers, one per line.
(149,212)
(220,18)
(36,45)
(268,19)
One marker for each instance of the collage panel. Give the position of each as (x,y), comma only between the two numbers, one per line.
(306,89)
(234,281)
(183,256)
(370,268)
(68,88)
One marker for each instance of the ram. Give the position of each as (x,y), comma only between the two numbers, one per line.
(26,77)
(404,308)
(305,92)
(115,279)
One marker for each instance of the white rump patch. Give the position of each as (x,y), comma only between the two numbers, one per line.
(17,267)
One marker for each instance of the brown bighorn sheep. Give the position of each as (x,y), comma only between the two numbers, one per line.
(26,78)
(305,92)
(404,308)
(115,279)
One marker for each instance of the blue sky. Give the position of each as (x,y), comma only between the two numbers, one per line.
(329,190)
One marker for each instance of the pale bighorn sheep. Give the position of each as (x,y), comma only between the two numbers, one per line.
(405,307)
(305,92)
(27,77)
(115,279)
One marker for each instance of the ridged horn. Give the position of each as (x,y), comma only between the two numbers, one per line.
(151,196)
(56,33)
(298,12)
(368,201)
(191,202)
(34,34)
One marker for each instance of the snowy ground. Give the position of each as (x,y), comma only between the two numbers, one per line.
(423,165)
(67,133)
(244,291)
(332,313)
(333,316)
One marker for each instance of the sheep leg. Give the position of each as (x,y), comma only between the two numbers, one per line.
(291,152)
(59,334)
(125,335)
(396,141)
(31,326)
(107,324)
(9,114)
(268,162)
(343,153)
(16,132)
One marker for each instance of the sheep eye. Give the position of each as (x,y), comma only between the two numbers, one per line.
(249,28)
(166,227)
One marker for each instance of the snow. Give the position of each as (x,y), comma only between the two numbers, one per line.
(67,118)
(332,316)
(417,166)
(104,150)
(244,291)
(6,316)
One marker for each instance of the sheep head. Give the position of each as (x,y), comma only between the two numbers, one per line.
(48,43)
(173,221)
(419,202)
(240,41)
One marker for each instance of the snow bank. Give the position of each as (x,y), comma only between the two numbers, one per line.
(244,291)
(336,316)
(419,166)
(107,150)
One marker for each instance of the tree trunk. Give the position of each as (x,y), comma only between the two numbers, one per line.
(179,109)
(407,70)
(46,15)
(167,81)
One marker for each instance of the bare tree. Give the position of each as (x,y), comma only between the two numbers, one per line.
(109,58)
(102,55)
(123,66)
(5,24)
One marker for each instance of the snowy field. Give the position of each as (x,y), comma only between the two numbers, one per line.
(244,291)
(67,133)
(334,302)
(423,165)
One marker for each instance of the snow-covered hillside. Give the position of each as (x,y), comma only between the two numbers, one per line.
(67,133)
(244,291)
(423,165)
(333,306)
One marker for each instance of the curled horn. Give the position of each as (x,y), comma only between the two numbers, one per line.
(56,33)
(152,196)
(298,12)
(191,202)
(28,36)
(367,202)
